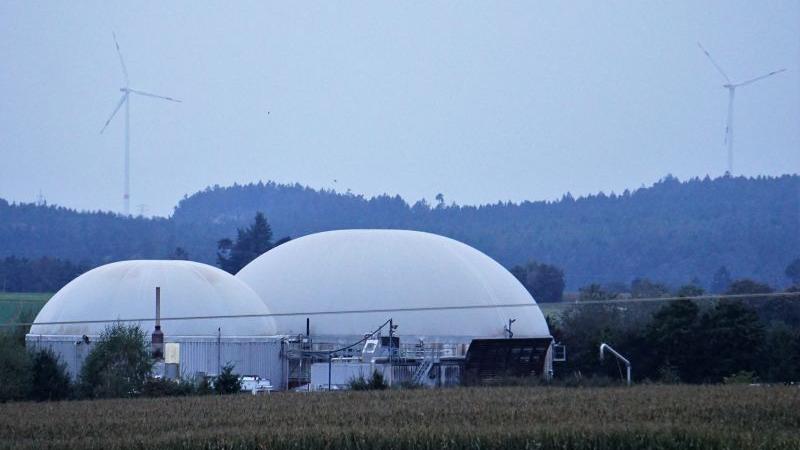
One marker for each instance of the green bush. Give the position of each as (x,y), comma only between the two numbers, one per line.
(204,387)
(50,380)
(376,382)
(15,369)
(227,382)
(161,387)
(118,365)
(741,377)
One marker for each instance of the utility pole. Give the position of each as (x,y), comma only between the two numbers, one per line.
(392,327)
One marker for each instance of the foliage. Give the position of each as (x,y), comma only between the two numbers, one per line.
(162,387)
(358,383)
(546,418)
(672,336)
(721,281)
(746,286)
(15,369)
(251,242)
(594,292)
(179,253)
(683,340)
(671,231)
(227,382)
(729,337)
(375,382)
(689,290)
(644,288)
(50,380)
(118,364)
(204,386)
(543,281)
(741,377)
(792,271)
(780,355)
(38,275)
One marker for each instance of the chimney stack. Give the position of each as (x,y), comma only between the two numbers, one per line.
(157,339)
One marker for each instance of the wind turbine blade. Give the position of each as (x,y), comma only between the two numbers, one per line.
(722,72)
(121,61)
(147,94)
(114,113)
(760,78)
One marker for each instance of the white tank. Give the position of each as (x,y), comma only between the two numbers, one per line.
(126,290)
(357,270)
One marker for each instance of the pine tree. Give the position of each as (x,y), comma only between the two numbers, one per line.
(251,243)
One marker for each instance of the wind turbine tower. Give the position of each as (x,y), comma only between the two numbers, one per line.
(731,87)
(125,99)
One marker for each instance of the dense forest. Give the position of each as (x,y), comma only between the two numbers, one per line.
(673,231)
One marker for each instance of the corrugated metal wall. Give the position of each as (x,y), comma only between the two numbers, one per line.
(72,350)
(250,355)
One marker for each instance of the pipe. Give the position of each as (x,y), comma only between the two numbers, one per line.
(157,338)
(604,347)
(158,307)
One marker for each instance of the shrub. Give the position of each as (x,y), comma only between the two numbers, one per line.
(204,387)
(161,387)
(50,380)
(118,365)
(358,383)
(741,377)
(376,382)
(227,382)
(15,369)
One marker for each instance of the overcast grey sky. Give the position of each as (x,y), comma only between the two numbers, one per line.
(481,101)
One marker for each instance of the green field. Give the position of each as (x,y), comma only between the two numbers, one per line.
(641,417)
(21,304)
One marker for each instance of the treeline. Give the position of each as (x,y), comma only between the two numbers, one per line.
(37,275)
(745,339)
(673,231)
(92,237)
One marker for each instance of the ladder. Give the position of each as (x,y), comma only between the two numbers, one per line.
(422,371)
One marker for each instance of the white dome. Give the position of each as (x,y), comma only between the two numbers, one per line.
(390,269)
(126,290)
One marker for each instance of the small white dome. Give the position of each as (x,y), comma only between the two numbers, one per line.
(126,290)
(351,270)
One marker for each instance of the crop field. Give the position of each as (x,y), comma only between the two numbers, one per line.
(642,417)
(14,305)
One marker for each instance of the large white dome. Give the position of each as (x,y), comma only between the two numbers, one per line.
(126,290)
(351,270)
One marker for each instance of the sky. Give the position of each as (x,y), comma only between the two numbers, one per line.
(479,101)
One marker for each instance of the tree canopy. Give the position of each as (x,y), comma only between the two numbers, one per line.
(672,231)
(118,364)
(251,242)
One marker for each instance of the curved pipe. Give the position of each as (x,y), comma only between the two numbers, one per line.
(604,347)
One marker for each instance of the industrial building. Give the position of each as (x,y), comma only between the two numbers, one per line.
(73,319)
(317,311)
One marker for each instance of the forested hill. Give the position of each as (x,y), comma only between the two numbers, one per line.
(672,231)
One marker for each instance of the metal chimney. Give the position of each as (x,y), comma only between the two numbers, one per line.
(157,339)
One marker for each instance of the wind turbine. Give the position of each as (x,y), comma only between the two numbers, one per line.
(126,91)
(731,87)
